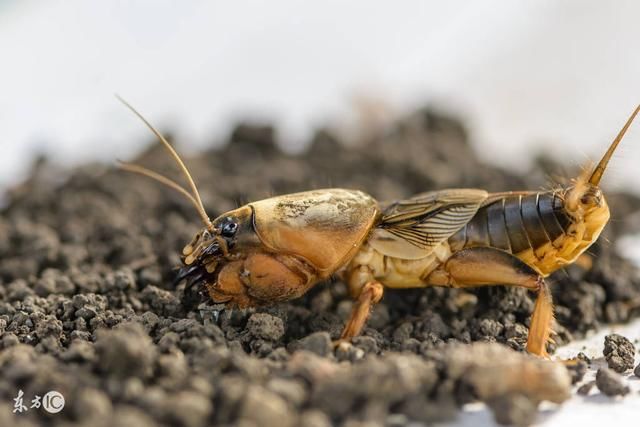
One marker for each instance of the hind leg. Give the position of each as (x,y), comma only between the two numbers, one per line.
(486,266)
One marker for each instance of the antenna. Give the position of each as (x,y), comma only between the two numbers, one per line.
(195,196)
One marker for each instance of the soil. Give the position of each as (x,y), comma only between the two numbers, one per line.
(585,388)
(611,383)
(619,352)
(577,369)
(87,305)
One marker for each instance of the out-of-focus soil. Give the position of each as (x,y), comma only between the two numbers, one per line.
(87,306)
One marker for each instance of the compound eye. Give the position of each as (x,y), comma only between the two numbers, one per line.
(229,228)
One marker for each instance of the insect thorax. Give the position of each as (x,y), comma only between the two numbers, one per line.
(397,272)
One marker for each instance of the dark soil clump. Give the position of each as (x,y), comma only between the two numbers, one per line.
(585,388)
(577,369)
(619,352)
(610,383)
(87,305)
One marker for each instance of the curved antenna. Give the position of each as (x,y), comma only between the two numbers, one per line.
(596,176)
(141,170)
(174,154)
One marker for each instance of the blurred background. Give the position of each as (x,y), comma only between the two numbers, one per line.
(525,77)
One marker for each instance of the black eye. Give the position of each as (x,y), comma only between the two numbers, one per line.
(229,228)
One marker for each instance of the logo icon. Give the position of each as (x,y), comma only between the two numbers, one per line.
(53,402)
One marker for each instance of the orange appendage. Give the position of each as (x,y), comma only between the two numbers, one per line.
(261,279)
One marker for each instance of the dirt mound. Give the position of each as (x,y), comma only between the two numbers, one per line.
(87,308)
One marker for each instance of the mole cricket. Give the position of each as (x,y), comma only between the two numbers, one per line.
(276,249)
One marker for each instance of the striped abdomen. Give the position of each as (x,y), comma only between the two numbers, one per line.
(527,225)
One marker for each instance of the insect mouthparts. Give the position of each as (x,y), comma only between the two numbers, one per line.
(212,249)
(186,272)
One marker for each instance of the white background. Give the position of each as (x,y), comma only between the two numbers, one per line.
(560,76)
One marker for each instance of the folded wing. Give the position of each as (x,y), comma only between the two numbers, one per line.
(412,228)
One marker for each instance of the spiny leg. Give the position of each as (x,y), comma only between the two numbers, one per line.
(371,294)
(488,266)
(541,321)
(367,292)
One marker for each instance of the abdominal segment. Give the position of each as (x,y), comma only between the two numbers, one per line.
(535,227)
(515,224)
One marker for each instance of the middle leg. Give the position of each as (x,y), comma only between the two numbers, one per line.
(367,292)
